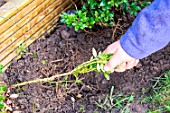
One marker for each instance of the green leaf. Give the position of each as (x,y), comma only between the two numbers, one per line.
(102,67)
(1,105)
(106,76)
(76,28)
(111,14)
(2,98)
(103,14)
(111,23)
(63,20)
(102,3)
(78,81)
(167,108)
(94,52)
(1,66)
(1,92)
(130,98)
(43,62)
(3,88)
(106,19)
(98,67)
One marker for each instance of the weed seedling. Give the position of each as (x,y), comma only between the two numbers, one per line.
(43,62)
(82,108)
(2,98)
(160,95)
(1,67)
(21,49)
(116,101)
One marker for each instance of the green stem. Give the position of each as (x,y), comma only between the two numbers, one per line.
(42,80)
(77,70)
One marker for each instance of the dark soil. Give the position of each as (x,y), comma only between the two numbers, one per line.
(2,2)
(62,51)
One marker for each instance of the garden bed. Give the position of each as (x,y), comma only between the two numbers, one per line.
(62,51)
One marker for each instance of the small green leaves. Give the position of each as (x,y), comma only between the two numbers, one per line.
(100,12)
(3,88)
(43,62)
(94,52)
(134,8)
(1,67)
(96,63)
(106,76)
(82,108)
(21,49)
(2,97)
(1,105)
(145,3)
(91,13)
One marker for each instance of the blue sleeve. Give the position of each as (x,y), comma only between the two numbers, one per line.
(149,32)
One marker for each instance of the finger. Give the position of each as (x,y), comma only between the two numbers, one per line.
(136,63)
(131,64)
(114,61)
(111,48)
(121,68)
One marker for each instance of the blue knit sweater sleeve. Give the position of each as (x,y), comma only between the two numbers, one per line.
(149,32)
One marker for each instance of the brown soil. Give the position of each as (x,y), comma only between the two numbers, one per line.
(65,49)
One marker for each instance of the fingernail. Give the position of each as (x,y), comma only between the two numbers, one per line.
(106,68)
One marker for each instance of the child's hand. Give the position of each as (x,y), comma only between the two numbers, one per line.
(120,61)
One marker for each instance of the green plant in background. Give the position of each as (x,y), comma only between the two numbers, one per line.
(99,12)
(2,98)
(1,67)
(160,97)
(116,101)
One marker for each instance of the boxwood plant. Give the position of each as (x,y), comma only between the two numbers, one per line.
(100,12)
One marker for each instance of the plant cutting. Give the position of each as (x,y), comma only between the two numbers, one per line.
(96,64)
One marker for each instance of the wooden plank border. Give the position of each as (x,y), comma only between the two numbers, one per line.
(43,17)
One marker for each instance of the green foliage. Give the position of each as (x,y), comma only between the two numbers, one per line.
(96,63)
(1,67)
(145,3)
(82,108)
(116,101)
(99,12)
(21,49)
(43,62)
(160,97)
(2,97)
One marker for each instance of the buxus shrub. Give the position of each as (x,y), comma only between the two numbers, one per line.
(100,12)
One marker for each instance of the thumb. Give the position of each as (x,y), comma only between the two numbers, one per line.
(114,61)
